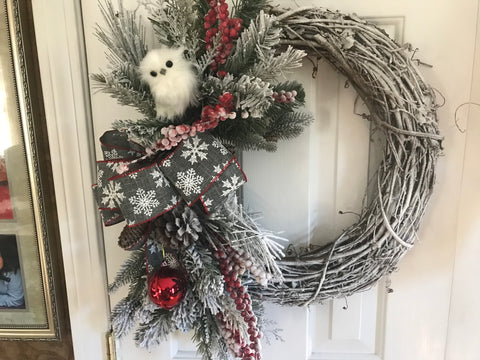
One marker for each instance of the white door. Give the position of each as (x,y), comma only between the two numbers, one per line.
(327,166)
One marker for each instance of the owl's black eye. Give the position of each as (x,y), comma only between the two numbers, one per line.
(153,73)
(169,64)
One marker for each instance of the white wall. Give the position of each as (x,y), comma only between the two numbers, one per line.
(464,321)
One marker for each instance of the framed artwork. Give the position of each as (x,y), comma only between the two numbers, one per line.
(27,296)
(6,212)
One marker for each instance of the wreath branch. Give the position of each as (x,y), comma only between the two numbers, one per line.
(403,106)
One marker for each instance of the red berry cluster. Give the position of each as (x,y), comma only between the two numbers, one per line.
(212,115)
(233,264)
(284,97)
(173,135)
(229,30)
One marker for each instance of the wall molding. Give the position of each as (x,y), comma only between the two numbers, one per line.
(59,34)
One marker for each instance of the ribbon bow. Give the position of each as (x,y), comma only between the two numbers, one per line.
(200,168)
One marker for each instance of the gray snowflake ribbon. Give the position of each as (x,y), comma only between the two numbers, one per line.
(200,169)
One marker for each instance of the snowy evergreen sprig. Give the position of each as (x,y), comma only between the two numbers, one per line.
(206,280)
(241,232)
(126,90)
(247,10)
(176,23)
(124,314)
(209,340)
(262,35)
(124,36)
(203,62)
(284,120)
(288,125)
(152,332)
(130,271)
(186,314)
(251,94)
(145,131)
(271,66)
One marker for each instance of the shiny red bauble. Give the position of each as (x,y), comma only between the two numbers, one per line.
(167,287)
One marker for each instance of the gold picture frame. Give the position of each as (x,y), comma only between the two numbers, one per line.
(27,199)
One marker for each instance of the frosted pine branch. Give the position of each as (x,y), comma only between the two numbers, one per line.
(271,66)
(124,36)
(261,34)
(130,271)
(177,24)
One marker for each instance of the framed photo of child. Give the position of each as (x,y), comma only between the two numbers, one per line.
(11,282)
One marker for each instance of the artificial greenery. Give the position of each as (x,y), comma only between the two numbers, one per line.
(254,73)
(254,70)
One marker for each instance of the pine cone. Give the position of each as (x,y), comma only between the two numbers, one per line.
(182,228)
(131,237)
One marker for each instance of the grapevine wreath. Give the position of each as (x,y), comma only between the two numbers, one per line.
(212,85)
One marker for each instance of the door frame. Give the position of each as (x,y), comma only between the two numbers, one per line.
(65,85)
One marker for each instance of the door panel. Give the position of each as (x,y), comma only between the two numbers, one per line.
(325,171)
(320,173)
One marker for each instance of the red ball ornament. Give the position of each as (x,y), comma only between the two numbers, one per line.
(167,287)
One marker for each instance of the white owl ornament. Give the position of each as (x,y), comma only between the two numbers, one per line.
(172,81)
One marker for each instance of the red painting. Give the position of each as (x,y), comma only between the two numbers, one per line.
(5,199)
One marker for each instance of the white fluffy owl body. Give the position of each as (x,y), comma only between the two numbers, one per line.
(172,81)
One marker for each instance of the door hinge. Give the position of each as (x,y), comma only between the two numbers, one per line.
(111,351)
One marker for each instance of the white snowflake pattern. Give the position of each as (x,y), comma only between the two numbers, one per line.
(194,148)
(231,184)
(112,195)
(133,175)
(189,182)
(110,155)
(115,165)
(154,247)
(144,202)
(173,201)
(160,180)
(167,163)
(100,177)
(218,145)
(207,202)
(217,169)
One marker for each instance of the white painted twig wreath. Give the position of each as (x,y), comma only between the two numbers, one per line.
(403,106)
